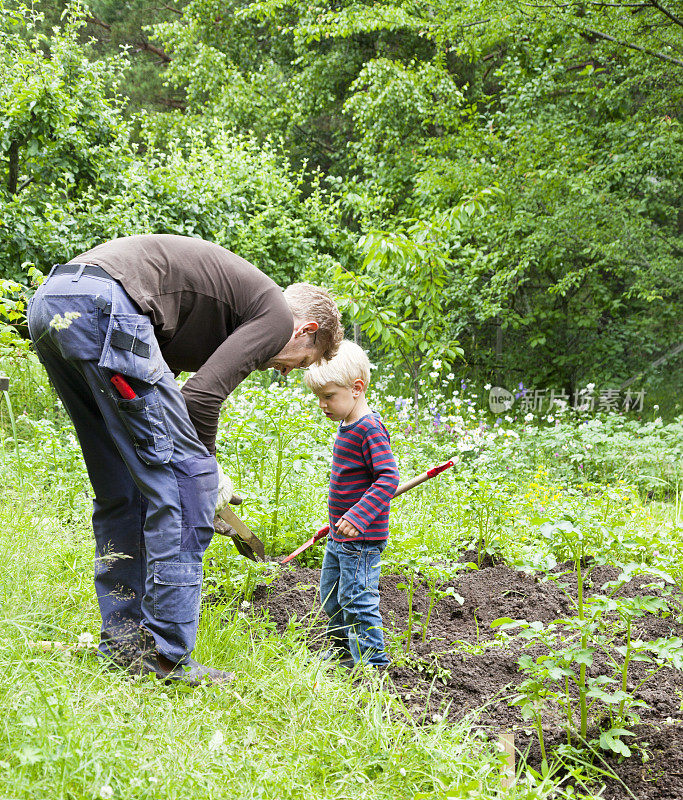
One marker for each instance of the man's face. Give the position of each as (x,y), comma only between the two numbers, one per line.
(299,352)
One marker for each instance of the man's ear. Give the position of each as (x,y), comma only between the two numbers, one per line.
(310,326)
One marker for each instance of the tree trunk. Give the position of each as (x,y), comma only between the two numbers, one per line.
(13,179)
(499,352)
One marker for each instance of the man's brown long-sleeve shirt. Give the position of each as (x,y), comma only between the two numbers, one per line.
(214,313)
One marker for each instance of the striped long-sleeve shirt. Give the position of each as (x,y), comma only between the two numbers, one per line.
(363,480)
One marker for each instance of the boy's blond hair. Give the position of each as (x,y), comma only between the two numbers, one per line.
(350,364)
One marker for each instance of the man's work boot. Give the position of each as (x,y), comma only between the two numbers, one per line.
(191,673)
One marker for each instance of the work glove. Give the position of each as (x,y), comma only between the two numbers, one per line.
(226,493)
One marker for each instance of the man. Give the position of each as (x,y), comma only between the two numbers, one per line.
(113,327)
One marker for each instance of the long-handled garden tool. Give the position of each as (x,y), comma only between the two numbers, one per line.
(402,489)
(227,523)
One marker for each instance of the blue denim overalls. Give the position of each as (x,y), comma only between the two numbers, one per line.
(155,483)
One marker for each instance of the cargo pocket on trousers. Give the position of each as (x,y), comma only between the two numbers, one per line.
(197,479)
(177,591)
(145,421)
(131,348)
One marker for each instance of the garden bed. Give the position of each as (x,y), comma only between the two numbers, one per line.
(461,670)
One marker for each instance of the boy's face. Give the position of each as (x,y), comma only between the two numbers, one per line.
(337,402)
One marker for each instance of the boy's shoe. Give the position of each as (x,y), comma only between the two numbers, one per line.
(336,654)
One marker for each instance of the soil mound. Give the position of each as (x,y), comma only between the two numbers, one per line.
(457,668)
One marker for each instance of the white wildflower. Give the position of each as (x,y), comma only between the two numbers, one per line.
(60,323)
(106,792)
(216,740)
(436,363)
(528,417)
(487,387)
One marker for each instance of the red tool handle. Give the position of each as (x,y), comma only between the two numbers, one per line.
(315,538)
(425,476)
(434,471)
(404,487)
(123,387)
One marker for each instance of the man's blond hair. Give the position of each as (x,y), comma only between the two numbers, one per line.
(308,302)
(350,364)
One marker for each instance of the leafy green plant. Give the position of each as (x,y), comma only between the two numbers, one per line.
(406,312)
(430,666)
(484,513)
(434,575)
(604,625)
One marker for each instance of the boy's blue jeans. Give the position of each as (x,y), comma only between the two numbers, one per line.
(349,593)
(155,483)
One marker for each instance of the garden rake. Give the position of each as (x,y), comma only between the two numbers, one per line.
(402,489)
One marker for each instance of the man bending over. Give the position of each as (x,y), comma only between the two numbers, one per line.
(140,310)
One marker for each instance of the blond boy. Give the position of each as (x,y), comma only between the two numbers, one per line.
(364,477)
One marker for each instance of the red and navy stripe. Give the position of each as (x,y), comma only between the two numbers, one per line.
(363,480)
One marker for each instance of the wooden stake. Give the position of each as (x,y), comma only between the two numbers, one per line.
(506,745)
(61,646)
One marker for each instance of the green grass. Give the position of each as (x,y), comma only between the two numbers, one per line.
(287,728)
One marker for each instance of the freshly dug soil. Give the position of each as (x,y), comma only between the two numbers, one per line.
(462,670)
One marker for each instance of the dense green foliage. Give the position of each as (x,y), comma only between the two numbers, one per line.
(287,131)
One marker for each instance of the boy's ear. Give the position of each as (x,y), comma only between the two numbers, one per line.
(358,387)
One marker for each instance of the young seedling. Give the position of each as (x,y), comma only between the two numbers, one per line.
(435,575)
(411,567)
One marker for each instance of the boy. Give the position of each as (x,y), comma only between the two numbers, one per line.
(363,480)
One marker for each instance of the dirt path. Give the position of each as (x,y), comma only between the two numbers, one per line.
(460,668)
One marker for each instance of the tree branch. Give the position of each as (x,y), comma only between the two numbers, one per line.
(631,46)
(478,22)
(666,12)
(145,45)
(96,21)
(174,10)
(25,184)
